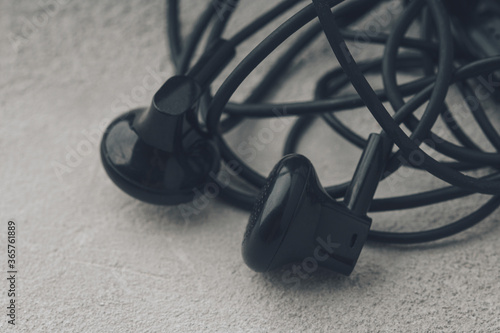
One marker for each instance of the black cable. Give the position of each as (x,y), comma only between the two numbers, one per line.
(406,145)
(437,233)
(432,89)
(173,31)
(255,57)
(248,173)
(194,38)
(359,82)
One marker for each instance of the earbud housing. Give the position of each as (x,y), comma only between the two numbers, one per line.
(158,154)
(294,218)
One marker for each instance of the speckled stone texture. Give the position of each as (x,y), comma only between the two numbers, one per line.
(92,259)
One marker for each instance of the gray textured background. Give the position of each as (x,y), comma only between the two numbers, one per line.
(92,259)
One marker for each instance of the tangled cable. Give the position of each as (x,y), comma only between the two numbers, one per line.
(437,52)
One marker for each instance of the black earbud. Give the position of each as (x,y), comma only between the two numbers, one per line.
(159,154)
(294,218)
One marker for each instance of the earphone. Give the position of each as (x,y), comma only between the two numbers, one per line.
(158,154)
(293,211)
(161,154)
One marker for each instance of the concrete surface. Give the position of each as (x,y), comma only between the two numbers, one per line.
(92,259)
